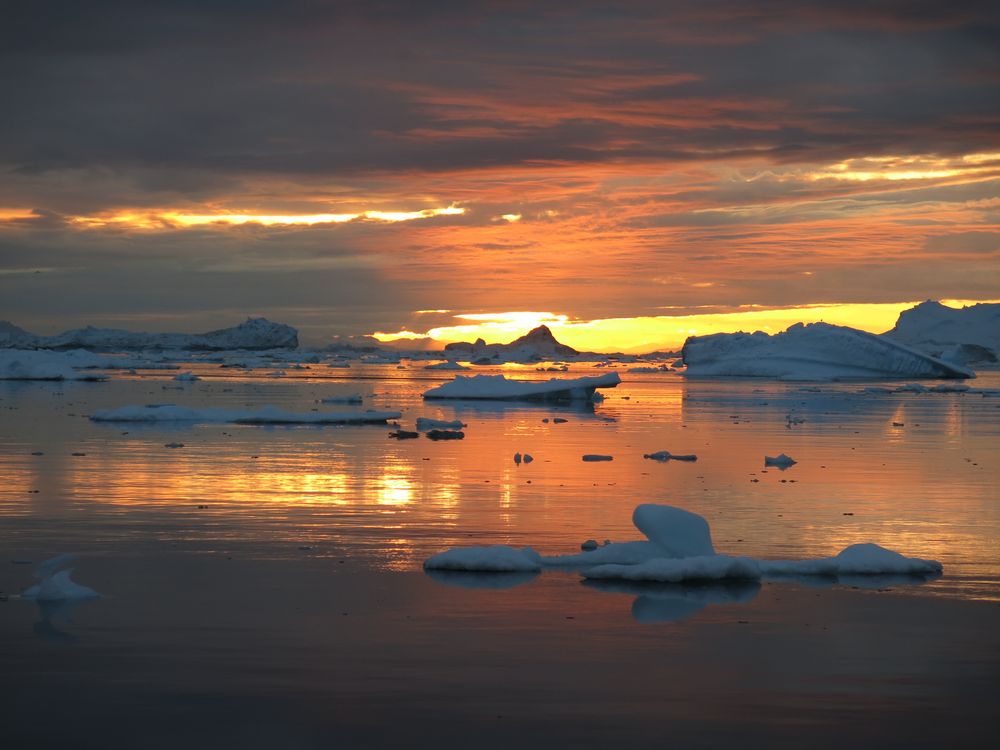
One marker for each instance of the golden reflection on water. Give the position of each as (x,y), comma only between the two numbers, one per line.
(926,488)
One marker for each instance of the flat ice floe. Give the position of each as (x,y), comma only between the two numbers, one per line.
(817,351)
(499,388)
(679,549)
(447,365)
(265,415)
(30,364)
(498,558)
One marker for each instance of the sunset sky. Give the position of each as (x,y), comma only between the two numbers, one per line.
(397,167)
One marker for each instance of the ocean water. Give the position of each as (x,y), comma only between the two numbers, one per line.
(262,586)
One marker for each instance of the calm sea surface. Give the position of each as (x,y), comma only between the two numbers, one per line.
(262,586)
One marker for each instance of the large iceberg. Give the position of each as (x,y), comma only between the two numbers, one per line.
(265,415)
(499,388)
(970,335)
(814,351)
(254,333)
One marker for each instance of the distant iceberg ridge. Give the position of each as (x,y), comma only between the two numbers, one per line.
(252,334)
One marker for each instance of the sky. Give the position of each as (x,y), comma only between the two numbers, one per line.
(630,172)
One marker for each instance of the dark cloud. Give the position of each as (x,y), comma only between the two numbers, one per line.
(654,131)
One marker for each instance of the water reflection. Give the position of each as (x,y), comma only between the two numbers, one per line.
(470,580)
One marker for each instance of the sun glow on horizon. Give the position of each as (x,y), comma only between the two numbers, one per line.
(169,219)
(663,332)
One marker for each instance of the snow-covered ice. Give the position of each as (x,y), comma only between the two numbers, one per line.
(499,387)
(969,335)
(23,364)
(499,558)
(857,559)
(814,351)
(264,415)
(254,333)
(678,548)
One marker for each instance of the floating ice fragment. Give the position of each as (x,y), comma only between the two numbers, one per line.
(445,435)
(596,457)
(679,532)
(499,558)
(667,456)
(426,423)
(589,545)
(56,584)
(187,377)
(781,461)
(857,559)
(497,387)
(517,459)
(528,458)
(447,365)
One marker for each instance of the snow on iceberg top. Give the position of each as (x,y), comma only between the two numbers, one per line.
(499,388)
(814,351)
(254,333)
(264,415)
(935,328)
(30,364)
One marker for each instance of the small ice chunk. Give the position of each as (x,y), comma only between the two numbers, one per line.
(912,388)
(426,423)
(517,458)
(187,377)
(445,435)
(589,545)
(56,584)
(497,558)
(781,461)
(858,559)
(667,456)
(528,458)
(597,457)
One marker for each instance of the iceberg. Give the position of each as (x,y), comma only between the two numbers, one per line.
(21,364)
(817,351)
(55,583)
(497,387)
(254,333)
(153,413)
(678,548)
(535,346)
(970,335)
